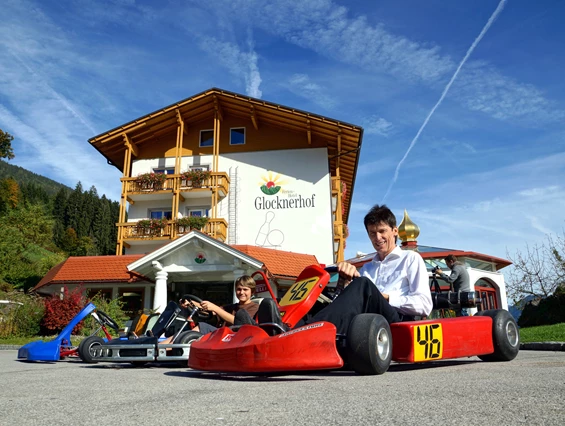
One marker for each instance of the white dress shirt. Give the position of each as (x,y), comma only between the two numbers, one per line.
(403,276)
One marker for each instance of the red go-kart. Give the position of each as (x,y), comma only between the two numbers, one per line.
(368,348)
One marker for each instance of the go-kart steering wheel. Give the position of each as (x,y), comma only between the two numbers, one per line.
(201,313)
(106,320)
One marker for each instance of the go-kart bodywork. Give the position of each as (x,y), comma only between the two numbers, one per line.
(61,346)
(148,348)
(368,348)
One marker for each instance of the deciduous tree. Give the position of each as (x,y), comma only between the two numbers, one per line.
(539,270)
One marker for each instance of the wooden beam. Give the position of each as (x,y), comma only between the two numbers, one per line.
(308,132)
(218,108)
(111,135)
(254,118)
(130,201)
(130,145)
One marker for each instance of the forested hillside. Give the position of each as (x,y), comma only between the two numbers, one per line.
(42,222)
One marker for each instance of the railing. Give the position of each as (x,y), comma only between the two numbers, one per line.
(217,180)
(216,228)
(136,186)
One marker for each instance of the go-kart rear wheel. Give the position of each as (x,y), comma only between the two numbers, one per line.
(188,337)
(505,335)
(86,348)
(369,344)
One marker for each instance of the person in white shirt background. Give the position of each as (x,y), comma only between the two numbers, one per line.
(395,284)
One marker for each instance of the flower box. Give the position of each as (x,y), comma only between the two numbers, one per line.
(195,178)
(185,224)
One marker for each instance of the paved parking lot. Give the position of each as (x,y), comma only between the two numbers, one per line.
(528,390)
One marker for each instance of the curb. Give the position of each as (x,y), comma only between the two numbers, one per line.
(543,346)
(9,347)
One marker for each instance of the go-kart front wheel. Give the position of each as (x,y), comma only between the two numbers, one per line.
(505,335)
(369,344)
(86,348)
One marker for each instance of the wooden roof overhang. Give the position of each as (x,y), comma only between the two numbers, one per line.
(342,140)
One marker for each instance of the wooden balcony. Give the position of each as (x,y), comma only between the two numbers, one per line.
(219,181)
(216,228)
(133,234)
(137,190)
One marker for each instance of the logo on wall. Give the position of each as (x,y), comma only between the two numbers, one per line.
(200,257)
(271,185)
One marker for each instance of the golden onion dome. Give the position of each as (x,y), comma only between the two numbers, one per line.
(408,231)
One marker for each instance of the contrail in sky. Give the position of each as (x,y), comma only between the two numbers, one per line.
(471,49)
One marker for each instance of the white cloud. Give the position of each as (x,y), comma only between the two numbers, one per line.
(241,64)
(378,126)
(301,85)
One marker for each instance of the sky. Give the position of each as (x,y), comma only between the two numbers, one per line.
(462,102)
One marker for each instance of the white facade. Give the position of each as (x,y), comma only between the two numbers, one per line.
(277,199)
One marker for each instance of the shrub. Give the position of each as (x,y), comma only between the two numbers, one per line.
(544,311)
(24,320)
(59,312)
(113,308)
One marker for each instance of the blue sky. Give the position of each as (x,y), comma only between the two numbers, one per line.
(462,102)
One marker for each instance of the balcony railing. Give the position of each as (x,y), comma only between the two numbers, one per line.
(135,186)
(216,228)
(218,180)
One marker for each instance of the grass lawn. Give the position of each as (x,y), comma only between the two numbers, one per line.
(543,333)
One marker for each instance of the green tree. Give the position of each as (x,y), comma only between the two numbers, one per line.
(6,150)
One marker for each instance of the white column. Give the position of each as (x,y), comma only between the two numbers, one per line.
(160,300)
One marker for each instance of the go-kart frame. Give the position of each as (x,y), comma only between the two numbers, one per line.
(370,345)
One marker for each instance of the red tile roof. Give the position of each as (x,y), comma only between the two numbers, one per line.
(79,269)
(279,263)
(83,269)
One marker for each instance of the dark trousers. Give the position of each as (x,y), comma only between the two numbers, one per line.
(360,296)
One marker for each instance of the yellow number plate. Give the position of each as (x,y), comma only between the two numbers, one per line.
(299,291)
(428,342)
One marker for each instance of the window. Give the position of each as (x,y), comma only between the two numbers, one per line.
(199,168)
(160,214)
(166,170)
(206,138)
(197,212)
(237,136)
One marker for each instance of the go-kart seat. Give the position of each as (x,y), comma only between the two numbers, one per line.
(268,318)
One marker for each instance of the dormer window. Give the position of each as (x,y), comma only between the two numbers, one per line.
(237,136)
(206,138)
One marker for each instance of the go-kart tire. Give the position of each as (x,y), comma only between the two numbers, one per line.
(505,336)
(369,344)
(188,337)
(86,346)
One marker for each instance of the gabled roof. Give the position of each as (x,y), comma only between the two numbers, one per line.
(144,265)
(90,269)
(282,264)
(343,140)
(111,269)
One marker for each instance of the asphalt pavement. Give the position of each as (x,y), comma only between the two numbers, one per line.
(527,390)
